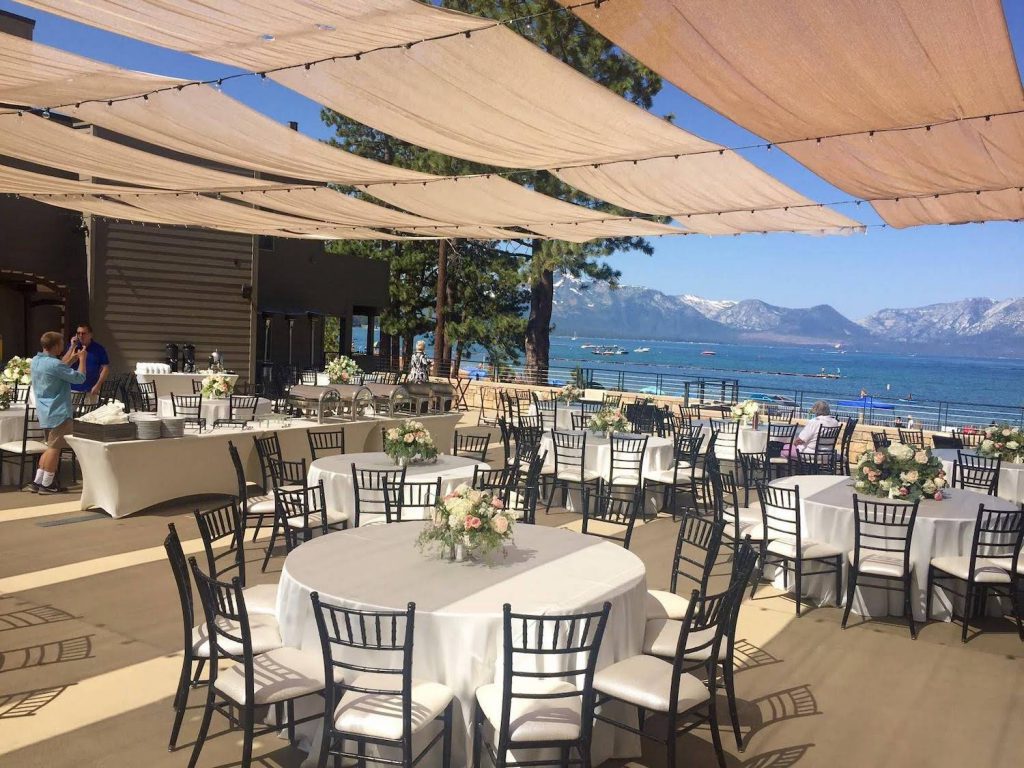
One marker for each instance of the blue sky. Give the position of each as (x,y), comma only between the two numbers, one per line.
(857,274)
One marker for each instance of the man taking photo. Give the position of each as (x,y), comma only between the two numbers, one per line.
(97,363)
(51,382)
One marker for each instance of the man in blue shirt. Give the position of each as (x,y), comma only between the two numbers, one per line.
(51,384)
(97,363)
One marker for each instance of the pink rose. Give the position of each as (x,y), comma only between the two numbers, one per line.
(904,491)
(409,438)
(473,522)
(938,495)
(497,503)
(499,524)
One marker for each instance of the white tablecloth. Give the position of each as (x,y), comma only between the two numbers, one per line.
(168,384)
(942,528)
(213,408)
(12,424)
(124,477)
(336,472)
(598,458)
(1011,476)
(459,605)
(749,440)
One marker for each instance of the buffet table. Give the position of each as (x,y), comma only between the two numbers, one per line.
(124,477)
(213,408)
(1011,476)
(168,384)
(942,528)
(459,606)
(336,472)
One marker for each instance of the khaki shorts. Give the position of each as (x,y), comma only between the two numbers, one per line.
(54,438)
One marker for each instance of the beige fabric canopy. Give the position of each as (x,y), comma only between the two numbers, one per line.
(806,68)
(37,76)
(958,208)
(806,220)
(47,142)
(331,206)
(21,182)
(589,230)
(263,34)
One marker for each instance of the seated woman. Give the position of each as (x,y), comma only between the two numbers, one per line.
(807,440)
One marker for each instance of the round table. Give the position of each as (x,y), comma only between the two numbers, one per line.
(336,472)
(168,384)
(1011,476)
(943,528)
(213,408)
(748,440)
(459,605)
(12,426)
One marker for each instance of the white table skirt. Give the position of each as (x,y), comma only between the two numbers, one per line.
(749,440)
(168,384)
(12,425)
(598,457)
(1011,476)
(125,477)
(943,528)
(336,472)
(563,416)
(213,408)
(459,606)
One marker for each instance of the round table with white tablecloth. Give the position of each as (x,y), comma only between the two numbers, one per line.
(598,457)
(1011,476)
(214,408)
(943,528)
(459,605)
(748,440)
(336,472)
(12,427)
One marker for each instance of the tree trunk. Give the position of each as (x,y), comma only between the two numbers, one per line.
(450,301)
(538,328)
(441,308)
(407,341)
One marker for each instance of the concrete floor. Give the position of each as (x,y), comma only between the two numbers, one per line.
(90,634)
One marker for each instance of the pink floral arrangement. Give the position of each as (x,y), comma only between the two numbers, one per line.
(475,519)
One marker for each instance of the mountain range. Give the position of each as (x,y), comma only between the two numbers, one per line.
(970,326)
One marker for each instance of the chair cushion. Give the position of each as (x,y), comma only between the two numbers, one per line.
(668,476)
(535,719)
(380,714)
(662,635)
(261,505)
(264,632)
(881,563)
(986,571)
(278,675)
(665,605)
(810,550)
(625,478)
(31,446)
(646,681)
(754,530)
(572,474)
(334,517)
(261,599)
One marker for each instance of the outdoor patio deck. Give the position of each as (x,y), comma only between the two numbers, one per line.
(90,635)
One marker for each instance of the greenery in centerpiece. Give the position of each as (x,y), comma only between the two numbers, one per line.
(343,370)
(1003,442)
(409,442)
(217,386)
(745,412)
(900,472)
(608,420)
(17,371)
(6,395)
(570,393)
(475,519)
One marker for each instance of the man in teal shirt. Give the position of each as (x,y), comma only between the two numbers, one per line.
(51,384)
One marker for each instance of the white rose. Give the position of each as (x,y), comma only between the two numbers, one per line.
(987,445)
(462,488)
(1007,432)
(1013,445)
(929,487)
(909,477)
(921,457)
(860,485)
(885,485)
(940,482)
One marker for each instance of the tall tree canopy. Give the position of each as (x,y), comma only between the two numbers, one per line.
(566,37)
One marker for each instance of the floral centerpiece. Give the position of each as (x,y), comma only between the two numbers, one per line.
(409,443)
(17,371)
(745,412)
(570,393)
(6,395)
(608,420)
(900,472)
(342,370)
(467,520)
(217,386)
(1004,442)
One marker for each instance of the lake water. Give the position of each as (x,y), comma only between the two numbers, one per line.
(887,377)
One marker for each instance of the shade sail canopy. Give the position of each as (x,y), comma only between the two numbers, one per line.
(22,182)
(38,76)
(589,230)
(47,142)
(961,208)
(331,206)
(261,35)
(803,69)
(494,98)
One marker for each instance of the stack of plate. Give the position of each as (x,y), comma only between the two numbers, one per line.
(147,426)
(173,426)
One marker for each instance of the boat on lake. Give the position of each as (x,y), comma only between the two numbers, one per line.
(642,349)
(709,353)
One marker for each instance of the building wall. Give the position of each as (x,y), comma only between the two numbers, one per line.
(158,285)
